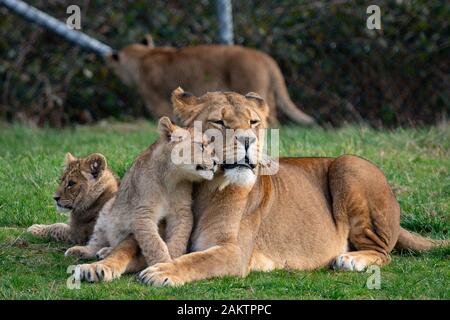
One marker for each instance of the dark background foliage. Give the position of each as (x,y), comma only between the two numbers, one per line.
(335,68)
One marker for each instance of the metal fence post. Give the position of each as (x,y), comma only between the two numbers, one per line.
(225,16)
(48,22)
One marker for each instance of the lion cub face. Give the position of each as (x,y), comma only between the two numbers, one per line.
(81,182)
(192,157)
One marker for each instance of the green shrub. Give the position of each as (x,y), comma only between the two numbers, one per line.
(336,69)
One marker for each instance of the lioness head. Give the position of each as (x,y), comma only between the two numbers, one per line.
(234,122)
(83,181)
(126,62)
(192,157)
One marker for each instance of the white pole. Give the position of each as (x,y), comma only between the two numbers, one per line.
(225,16)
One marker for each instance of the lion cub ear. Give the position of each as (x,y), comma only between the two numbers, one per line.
(148,41)
(165,128)
(170,132)
(69,158)
(94,165)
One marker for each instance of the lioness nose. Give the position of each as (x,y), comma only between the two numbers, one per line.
(246,141)
(56,198)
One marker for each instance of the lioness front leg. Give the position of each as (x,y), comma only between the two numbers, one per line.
(214,262)
(229,258)
(58,231)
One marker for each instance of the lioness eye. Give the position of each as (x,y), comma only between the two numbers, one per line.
(71,183)
(219,122)
(252,122)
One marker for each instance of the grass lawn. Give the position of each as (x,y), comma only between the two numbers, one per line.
(416,162)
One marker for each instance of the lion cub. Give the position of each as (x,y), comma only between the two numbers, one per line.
(155,188)
(87,186)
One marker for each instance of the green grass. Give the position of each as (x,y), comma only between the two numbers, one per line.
(416,162)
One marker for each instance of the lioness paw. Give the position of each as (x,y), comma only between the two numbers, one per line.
(103,253)
(38,230)
(94,272)
(349,262)
(159,275)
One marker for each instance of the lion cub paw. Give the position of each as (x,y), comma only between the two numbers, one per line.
(81,252)
(159,275)
(39,230)
(349,262)
(95,272)
(103,253)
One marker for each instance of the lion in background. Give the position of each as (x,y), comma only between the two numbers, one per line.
(155,72)
(314,212)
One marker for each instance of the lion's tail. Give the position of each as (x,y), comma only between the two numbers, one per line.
(412,241)
(284,102)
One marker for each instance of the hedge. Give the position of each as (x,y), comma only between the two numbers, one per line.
(336,69)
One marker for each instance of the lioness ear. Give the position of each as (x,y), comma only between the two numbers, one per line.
(254,95)
(115,56)
(69,158)
(185,106)
(95,164)
(259,101)
(148,41)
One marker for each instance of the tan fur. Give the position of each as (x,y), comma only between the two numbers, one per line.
(94,184)
(155,72)
(154,188)
(96,247)
(411,241)
(314,212)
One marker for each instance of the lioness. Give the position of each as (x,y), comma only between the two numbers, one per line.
(156,187)
(87,185)
(155,72)
(314,212)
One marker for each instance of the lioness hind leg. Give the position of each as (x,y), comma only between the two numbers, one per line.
(365,211)
(359,260)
